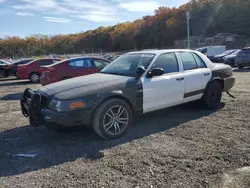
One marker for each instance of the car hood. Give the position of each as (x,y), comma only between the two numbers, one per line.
(230,56)
(85,85)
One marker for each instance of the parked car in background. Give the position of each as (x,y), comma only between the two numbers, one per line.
(4,68)
(211,51)
(13,66)
(72,67)
(112,58)
(33,70)
(219,58)
(230,59)
(135,83)
(243,58)
(106,56)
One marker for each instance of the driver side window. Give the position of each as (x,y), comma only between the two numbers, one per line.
(168,62)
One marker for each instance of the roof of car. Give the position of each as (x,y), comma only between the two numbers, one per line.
(159,51)
(83,57)
(5,61)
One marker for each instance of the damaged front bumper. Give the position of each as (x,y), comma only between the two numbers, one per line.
(33,106)
(30,106)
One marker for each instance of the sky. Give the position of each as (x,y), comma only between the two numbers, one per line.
(26,17)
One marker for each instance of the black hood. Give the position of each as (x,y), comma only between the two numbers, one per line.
(85,85)
(219,56)
(230,56)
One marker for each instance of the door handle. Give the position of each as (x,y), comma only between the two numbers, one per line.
(179,79)
(206,74)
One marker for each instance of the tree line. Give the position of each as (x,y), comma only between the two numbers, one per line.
(160,30)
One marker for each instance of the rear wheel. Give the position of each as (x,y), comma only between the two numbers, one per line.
(34,77)
(212,96)
(112,119)
(241,66)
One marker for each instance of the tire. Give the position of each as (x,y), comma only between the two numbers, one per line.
(212,96)
(240,66)
(102,116)
(6,74)
(233,63)
(34,77)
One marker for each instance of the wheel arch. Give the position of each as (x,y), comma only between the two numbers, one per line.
(33,72)
(114,96)
(216,79)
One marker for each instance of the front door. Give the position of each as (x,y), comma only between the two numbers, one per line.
(165,90)
(196,75)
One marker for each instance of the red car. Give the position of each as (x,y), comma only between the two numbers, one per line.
(72,67)
(33,69)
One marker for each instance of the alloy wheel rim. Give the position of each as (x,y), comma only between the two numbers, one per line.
(115,120)
(35,77)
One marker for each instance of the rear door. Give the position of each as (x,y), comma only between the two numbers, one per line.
(196,75)
(81,67)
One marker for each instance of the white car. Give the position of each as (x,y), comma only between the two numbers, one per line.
(142,81)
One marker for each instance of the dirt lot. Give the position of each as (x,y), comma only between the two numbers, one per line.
(184,146)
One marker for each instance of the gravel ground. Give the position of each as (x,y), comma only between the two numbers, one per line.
(183,146)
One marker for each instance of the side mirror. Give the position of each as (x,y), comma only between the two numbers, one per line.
(140,70)
(156,72)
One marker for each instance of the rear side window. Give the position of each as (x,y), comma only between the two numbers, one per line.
(81,63)
(45,62)
(199,61)
(168,62)
(188,61)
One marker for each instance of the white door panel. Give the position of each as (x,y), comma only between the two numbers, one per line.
(197,79)
(162,91)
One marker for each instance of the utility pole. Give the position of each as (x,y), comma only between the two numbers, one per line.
(188,34)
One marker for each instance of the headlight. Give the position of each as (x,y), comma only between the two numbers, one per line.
(66,105)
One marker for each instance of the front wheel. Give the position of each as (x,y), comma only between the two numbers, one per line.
(112,119)
(212,96)
(34,77)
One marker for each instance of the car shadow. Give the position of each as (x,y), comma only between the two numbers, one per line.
(57,148)
(2,79)
(242,70)
(10,97)
(16,83)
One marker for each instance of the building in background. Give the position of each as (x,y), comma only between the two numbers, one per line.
(230,40)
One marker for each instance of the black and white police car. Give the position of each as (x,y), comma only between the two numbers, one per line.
(142,81)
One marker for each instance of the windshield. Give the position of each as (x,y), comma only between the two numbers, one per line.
(57,62)
(235,52)
(127,64)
